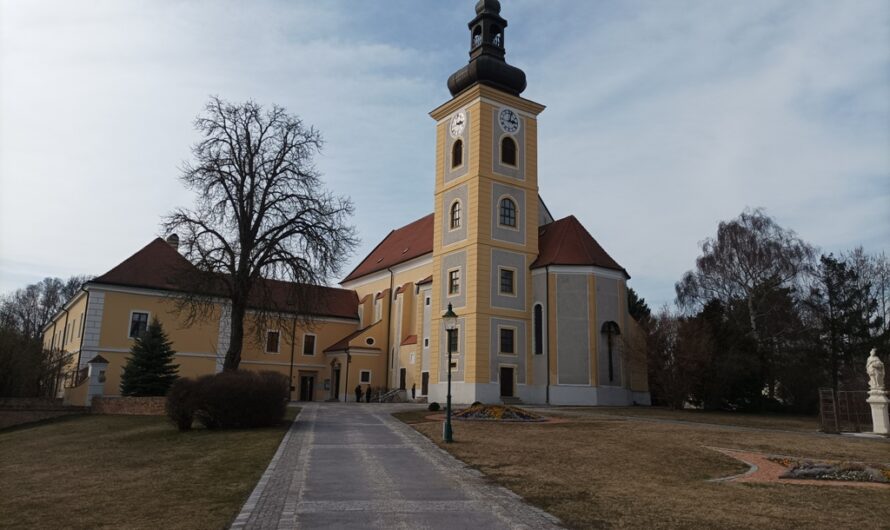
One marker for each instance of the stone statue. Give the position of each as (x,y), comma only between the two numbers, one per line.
(875,369)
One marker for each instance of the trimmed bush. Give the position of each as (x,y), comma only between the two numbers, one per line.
(181,403)
(434,407)
(229,400)
(241,399)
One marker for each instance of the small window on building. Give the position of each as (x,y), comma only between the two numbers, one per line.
(426,342)
(138,324)
(508,283)
(507,336)
(454,282)
(365,377)
(427,300)
(455,215)
(508,151)
(539,329)
(507,213)
(308,344)
(272,340)
(457,153)
(80,326)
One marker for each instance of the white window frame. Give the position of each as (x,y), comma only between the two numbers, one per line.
(314,345)
(277,343)
(501,151)
(515,331)
(361,373)
(448,282)
(515,281)
(130,321)
(460,220)
(518,212)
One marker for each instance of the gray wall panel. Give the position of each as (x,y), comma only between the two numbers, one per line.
(518,359)
(451,174)
(517,172)
(573,349)
(450,261)
(513,260)
(511,235)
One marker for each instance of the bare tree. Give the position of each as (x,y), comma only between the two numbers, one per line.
(749,262)
(261,213)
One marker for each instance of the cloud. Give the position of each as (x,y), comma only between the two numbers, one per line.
(662,119)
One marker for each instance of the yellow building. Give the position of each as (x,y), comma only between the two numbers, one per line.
(542,307)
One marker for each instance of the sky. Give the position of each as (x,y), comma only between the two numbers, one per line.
(663,117)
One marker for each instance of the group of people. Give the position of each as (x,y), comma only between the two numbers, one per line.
(358,394)
(367,393)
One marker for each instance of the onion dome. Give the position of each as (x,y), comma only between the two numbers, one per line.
(487,64)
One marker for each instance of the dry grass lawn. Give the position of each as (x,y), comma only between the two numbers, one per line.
(128,472)
(601,471)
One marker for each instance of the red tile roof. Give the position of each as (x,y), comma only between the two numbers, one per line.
(567,242)
(343,343)
(157,265)
(403,244)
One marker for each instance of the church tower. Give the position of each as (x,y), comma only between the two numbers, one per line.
(486,221)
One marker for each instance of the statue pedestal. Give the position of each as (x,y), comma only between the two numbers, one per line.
(880,417)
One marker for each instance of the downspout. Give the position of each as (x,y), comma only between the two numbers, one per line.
(547,327)
(391,297)
(293,339)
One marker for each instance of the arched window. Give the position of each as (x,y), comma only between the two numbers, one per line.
(495,35)
(610,329)
(508,151)
(457,153)
(507,213)
(477,35)
(455,215)
(539,329)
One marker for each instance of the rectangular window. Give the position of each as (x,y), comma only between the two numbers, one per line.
(508,284)
(308,344)
(452,340)
(507,336)
(138,323)
(80,325)
(427,300)
(426,342)
(272,340)
(365,377)
(454,282)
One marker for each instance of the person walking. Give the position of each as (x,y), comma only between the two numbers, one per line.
(368,394)
(414,391)
(358,393)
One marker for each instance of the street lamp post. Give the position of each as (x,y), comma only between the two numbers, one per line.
(450,320)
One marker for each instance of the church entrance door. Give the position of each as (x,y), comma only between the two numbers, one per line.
(506,381)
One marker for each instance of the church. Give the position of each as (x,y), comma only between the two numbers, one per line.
(542,313)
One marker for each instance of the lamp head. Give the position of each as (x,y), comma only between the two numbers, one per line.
(450,319)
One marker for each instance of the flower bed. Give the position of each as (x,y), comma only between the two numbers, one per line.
(854,472)
(496,413)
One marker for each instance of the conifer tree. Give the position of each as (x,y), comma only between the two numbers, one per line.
(150,370)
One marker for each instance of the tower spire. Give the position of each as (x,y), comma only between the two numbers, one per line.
(487,51)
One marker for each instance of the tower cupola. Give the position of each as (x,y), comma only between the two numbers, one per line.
(487,51)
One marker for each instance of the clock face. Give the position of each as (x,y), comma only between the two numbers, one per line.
(509,121)
(458,122)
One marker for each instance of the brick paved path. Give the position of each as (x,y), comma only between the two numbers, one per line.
(355,466)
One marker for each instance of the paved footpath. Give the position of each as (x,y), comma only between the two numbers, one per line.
(355,466)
